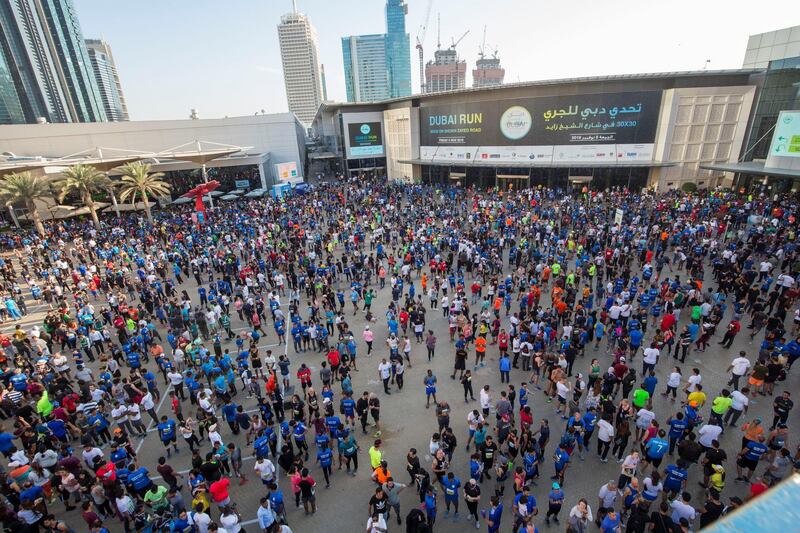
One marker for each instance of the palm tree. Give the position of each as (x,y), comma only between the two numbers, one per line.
(137,181)
(84,180)
(25,188)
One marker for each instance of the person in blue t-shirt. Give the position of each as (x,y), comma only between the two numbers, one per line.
(677,430)
(229,412)
(139,481)
(656,448)
(19,381)
(134,360)
(555,499)
(748,458)
(325,460)
(6,443)
(610,523)
(430,505)
(58,428)
(451,485)
(494,515)
(99,425)
(675,476)
(166,430)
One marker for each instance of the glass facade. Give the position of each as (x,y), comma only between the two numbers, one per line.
(377,67)
(398,50)
(781,92)
(74,61)
(105,74)
(45,55)
(10,107)
(365,73)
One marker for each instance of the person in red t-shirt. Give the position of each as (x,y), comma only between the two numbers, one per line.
(219,491)
(333,360)
(304,375)
(758,487)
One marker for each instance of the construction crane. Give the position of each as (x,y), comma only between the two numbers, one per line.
(481,50)
(423,30)
(455,43)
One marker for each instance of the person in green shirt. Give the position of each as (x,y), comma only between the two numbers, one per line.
(44,406)
(156,497)
(556,268)
(720,406)
(641,397)
(375,454)
(368,299)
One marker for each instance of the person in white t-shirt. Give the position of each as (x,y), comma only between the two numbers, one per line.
(738,368)
(694,380)
(376,523)
(265,470)
(740,404)
(707,434)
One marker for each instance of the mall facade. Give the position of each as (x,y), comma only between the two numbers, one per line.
(646,130)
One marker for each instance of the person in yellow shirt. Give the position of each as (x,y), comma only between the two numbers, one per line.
(697,396)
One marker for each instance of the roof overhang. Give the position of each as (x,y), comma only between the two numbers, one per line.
(534,164)
(55,166)
(756,168)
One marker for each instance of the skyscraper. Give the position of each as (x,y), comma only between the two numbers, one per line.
(107,78)
(302,72)
(366,77)
(378,66)
(398,49)
(45,56)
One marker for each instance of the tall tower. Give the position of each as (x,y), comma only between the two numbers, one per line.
(302,73)
(45,56)
(398,49)
(107,78)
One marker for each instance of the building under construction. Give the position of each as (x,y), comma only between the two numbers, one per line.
(446,72)
(488,72)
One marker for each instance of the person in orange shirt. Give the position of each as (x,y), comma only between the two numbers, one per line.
(537,293)
(480,351)
(561,307)
(381,474)
(546,274)
(424,282)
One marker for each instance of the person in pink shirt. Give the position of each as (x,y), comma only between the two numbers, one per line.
(369,336)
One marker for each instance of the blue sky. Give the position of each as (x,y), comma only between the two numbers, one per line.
(222,56)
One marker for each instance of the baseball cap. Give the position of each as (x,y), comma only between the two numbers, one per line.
(556,486)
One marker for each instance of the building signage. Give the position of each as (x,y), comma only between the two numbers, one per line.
(605,127)
(365,139)
(786,139)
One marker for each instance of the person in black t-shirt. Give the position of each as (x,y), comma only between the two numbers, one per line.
(714,456)
(488,450)
(711,510)
(379,503)
(661,521)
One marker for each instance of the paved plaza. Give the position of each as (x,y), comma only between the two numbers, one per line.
(407,423)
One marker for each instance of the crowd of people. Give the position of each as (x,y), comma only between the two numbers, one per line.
(137,333)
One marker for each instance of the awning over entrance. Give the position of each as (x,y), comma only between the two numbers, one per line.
(323,155)
(755,168)
(533,164)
